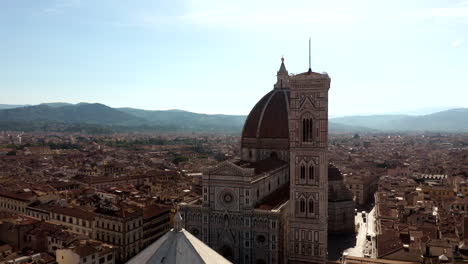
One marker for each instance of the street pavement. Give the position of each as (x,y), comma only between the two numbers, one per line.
(363,247)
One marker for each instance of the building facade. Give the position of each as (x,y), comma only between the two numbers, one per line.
(271,206)
(120,225)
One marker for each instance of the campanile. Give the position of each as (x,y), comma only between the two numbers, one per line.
(308,136)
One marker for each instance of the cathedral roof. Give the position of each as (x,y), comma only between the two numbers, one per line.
(334,174)
(264,166)
(275,199)
(269,117)
(337,190)
(178,246)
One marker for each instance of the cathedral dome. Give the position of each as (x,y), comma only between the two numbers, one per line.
(266,128)
(269,117)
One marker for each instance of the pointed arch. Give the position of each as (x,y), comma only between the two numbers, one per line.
(311,207)
(307,127)
(311,172)
(302,205)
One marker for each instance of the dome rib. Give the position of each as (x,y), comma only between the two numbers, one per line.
(251,123)
(267,104)
(268,121)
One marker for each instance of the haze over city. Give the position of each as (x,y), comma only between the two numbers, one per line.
(382,56)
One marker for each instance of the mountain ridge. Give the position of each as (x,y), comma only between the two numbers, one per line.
(125,119)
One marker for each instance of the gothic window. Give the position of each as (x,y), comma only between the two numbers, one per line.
(303,172)
(311,172)
(311,206)
(307,130)
(302,205)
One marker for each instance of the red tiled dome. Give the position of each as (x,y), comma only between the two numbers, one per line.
(269,118)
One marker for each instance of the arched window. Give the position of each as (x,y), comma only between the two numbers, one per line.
(302,206)
(303,172)
(307,130)
(311,172)
(311,206)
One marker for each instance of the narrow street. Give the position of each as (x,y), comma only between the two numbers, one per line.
(363,247)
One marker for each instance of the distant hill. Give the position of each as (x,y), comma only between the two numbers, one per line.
(59,104)
(372,121)
(8,106)
(453,120)
(343,128)
(79,113)
(188,120)
(424,111)
(101,118)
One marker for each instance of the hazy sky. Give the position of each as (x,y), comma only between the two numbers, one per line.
(213,56)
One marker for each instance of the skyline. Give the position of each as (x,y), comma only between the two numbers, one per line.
(122,56)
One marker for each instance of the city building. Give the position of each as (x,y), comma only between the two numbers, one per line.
(271,206)
(120,225)
(156,223)
(87,253)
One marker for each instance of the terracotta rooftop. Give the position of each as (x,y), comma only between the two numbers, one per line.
(19,195)
(274,199)
(154,210)
(388,242)
(269,118)
(69,211)
(265,165)
(119,210)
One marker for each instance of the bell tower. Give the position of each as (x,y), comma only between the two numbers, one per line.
(308,135)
